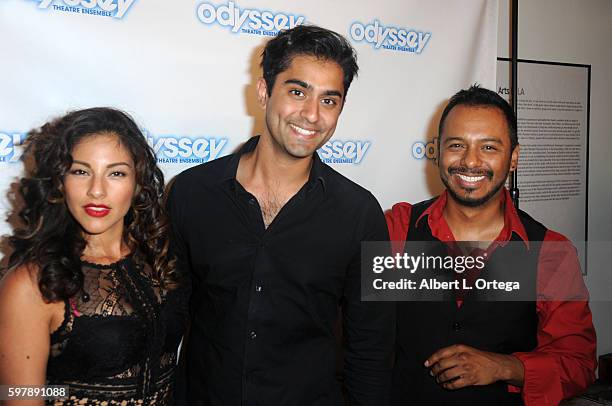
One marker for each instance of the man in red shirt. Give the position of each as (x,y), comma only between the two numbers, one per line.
(470,353)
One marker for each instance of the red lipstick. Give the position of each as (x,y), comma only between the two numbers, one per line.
(96,210)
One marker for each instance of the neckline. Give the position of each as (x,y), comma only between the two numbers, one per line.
(106,266)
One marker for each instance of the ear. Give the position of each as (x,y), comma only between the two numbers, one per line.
(262,92)
(514,158)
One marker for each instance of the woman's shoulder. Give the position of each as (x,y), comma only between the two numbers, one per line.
(22,303)
(19,291)
(21,282)
(20,297)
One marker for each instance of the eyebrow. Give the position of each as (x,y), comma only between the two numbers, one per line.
(76,161)
(305,85)
(447,139)
(490,139)
(300,83)
(495,140)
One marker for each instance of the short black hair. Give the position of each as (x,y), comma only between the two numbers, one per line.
(477,96)
(309,40)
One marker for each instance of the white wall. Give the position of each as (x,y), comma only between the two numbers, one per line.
(579,32)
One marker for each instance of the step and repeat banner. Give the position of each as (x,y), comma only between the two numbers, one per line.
(186,71)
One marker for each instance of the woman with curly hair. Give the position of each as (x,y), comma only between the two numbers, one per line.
(92,299)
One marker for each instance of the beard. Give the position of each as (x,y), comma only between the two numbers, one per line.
(466,199)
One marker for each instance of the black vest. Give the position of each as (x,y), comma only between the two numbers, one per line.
(496,326)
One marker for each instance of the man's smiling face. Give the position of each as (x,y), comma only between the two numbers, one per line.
(303,108)
(475,154)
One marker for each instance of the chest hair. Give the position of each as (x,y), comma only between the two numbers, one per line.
(271,202)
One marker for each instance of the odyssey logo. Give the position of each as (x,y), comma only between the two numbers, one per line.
(9,146)
(343,152)
(167,148)
(105,8)
(171,149)
(390,38)
(428,150)
(248,21)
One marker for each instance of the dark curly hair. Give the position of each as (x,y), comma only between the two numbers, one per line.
(51,238)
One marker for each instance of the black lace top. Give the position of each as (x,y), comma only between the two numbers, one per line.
(118,342)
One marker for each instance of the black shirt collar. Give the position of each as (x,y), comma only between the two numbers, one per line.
(317,171)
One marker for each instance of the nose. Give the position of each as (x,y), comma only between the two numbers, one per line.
(471,158)
(310,110)
(97,187)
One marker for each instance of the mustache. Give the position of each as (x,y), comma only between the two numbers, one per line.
(463,170)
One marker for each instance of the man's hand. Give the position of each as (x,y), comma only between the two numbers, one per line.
(459,366)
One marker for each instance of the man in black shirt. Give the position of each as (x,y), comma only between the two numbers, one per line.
(271,236)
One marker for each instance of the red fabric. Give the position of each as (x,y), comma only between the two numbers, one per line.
(564,362)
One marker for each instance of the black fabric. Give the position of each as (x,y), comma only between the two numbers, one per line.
(265,301)
(496,326)
(119,341)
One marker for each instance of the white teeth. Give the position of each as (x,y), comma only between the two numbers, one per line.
(471,178)
(301,130)
(97,208)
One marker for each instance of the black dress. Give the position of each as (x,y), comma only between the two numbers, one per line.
(119,339)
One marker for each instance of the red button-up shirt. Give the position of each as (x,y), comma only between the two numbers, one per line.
(564,361)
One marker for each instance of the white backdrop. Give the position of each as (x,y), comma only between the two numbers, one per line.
(186,70)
